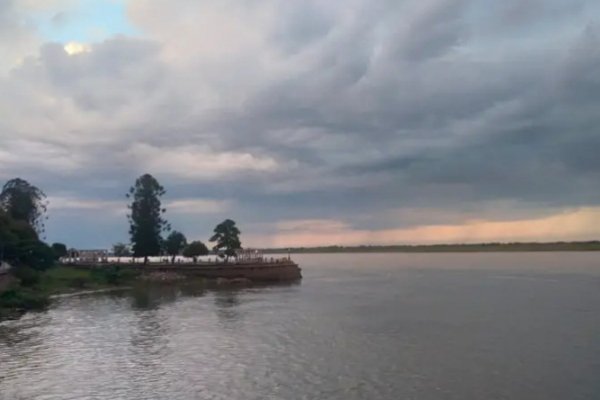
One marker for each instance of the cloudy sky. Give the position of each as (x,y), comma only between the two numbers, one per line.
(308,122)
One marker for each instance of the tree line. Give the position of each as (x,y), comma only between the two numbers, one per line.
(147,227)
(23,208)
(22,223)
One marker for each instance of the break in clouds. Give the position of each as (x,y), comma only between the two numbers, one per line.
(311,122)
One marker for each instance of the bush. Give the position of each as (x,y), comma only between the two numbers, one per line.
(77,283)
(113,275)
(28,276)
(60,250)
(38,255)
(23,298)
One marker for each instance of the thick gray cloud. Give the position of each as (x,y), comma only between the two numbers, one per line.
(379,114)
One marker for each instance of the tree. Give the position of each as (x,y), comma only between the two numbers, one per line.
(59,249)
(227,238)
(24,202)
(195,249)
(146,222)
(20,246)
(38,255)
(174,244)
(121,250)
(15,236)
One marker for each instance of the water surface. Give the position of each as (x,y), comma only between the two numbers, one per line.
(359,326)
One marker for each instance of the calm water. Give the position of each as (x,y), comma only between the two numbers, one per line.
(383,326)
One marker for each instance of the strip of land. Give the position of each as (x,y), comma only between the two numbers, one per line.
(446,248)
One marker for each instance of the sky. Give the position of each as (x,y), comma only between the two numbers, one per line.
(308,122)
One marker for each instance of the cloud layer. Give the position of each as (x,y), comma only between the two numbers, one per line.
(371,117)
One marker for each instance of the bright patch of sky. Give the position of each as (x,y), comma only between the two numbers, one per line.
(85,21)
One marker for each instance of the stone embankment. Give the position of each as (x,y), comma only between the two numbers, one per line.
(281,270)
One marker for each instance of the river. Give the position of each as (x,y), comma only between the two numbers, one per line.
(358,326)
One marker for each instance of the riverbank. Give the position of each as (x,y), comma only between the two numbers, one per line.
(35,294)
(445,248)
(271,270)
(34,291)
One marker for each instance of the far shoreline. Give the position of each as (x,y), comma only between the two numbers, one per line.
(517,247)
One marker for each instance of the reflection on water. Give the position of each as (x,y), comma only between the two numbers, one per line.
(225,306)
(379,326)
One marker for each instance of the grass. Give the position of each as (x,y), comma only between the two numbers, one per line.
(66,279)
(17,299)
(35,289)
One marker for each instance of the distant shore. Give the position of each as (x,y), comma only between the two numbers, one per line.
(447,248)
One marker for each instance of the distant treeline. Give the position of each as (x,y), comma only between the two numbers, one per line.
(447,248)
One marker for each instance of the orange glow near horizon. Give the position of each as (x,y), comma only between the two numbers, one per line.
(571,225)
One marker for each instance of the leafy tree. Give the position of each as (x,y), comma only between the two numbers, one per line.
(37,254)
(226,234)
(174,244)
(24,202)
(195,249)
(20,246)
(146,217)
(15,236)
(121,250)
(26,275)
(60,250)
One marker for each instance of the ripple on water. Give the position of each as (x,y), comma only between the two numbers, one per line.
(383,327)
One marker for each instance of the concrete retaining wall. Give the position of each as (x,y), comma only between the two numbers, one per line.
(264,272)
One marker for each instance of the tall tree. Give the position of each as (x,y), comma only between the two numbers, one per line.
(14,236)
(146,222)
(174,244)
(23,201)
(227,236)
(195,249)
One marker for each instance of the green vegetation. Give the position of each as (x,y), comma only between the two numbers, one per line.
(59,249)
(67,279)
(19,244)
(195,249)
(24,202)
(34,275)
(16,300)
(121,250)
(146,222)
(227,236)
(174,244)
(447,248)
(22,209)
(34,288)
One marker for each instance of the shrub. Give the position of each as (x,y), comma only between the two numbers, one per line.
(23,298)
(28,276)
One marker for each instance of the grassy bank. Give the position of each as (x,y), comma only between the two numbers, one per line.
(66,279)
(35,288)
